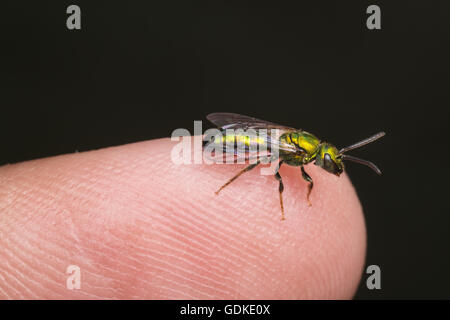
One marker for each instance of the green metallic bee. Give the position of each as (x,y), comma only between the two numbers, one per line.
(294,147)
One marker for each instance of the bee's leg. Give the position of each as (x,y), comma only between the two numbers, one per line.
(280,188)
(250,167)
(310,186)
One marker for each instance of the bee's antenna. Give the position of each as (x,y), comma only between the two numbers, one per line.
(361,161)
(362,143)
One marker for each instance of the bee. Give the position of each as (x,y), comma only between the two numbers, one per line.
(294,147)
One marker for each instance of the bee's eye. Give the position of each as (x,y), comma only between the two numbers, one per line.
(329,164)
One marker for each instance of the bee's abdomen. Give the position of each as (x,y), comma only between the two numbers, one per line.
(241,141)
(240,145)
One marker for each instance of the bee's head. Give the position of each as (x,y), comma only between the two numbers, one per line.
(328,158)
(331,159)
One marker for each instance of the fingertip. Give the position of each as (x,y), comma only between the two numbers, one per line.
(141,226)
(317,252)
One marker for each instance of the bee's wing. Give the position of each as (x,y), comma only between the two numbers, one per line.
(264,145)
(223,155)
(225,120)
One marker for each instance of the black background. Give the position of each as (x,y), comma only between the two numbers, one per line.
(138,70)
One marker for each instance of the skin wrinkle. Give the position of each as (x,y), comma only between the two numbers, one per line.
(16,294)
(265,273)
(53,273)
(36,248)
(120,263)
(230,239)
(19,262)
(163,254)
(237,256)
(12,275)
(205,260)
(2,292)
(140,226)
(136,270)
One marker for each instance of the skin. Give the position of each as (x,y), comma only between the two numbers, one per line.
(140,227)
